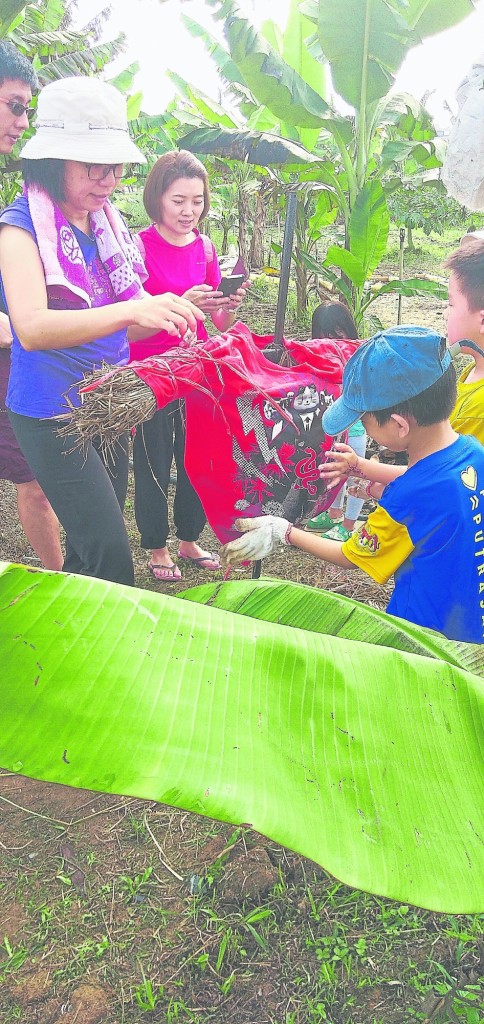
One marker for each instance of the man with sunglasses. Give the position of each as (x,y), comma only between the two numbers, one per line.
(17,82)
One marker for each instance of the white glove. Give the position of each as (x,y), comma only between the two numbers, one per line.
(260,537)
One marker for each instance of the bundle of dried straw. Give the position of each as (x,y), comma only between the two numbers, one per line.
(117,398)
(119,401)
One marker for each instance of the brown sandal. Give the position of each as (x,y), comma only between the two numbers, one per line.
(208,561)
(164,573)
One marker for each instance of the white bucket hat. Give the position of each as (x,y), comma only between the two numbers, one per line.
(82,119)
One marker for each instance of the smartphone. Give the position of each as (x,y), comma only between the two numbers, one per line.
(229,285)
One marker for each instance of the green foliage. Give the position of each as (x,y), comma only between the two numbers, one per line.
(42,32)
(130,202)
(385,135)
(430,208)
(236,144)
(9,14)
(147,995)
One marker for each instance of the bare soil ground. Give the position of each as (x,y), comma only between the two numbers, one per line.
(120,911)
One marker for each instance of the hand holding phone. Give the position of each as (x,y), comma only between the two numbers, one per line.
(229,285)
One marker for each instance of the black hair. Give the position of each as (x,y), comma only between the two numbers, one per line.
(48,174)
(14,66)
(431,406)
(467,263)
(333,320)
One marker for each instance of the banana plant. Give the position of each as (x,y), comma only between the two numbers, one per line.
(238,139)
(258,702)
(223,209)
(363,43)
(43,33)
(9,15)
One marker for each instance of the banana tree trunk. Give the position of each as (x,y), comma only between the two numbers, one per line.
(244,218)
(257,243)
(301,288)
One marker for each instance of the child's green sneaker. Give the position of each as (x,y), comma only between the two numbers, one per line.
(322,522)
(338,532)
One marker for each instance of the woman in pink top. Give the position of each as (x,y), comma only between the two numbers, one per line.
(181,260)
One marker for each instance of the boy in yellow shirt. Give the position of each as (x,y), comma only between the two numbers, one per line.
(465,322)
(465,332)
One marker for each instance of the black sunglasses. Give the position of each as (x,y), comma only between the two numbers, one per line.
(17,108)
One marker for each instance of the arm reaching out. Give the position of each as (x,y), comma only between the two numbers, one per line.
(39,327)
(342,462)
(262,536)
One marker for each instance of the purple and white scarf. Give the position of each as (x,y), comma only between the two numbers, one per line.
(62,258)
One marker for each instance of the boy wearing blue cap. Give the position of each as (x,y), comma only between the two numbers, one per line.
(428,527)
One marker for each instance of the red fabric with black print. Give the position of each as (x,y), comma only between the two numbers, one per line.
(253,428)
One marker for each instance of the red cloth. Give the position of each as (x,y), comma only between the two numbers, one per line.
(253,429)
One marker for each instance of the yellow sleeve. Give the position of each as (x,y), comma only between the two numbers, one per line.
(467,416)
(380,546)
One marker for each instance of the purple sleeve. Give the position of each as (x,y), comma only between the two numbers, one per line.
(18,215)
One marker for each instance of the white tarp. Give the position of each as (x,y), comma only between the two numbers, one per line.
(463,169)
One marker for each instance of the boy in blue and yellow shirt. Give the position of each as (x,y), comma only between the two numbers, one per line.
(428,527)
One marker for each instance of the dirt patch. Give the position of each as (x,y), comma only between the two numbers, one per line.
(88,1004)
(32,989)
(13,922)
(250,875)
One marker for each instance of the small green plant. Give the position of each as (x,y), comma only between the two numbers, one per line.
(138,827)
(226,986)
(202,961)
(16,957)
(230,943)
(13,1014)
(91,949)
(45,916)
(133,886)
(176,1010)
(146,996)
(398,917)
(215,869)
(280,887)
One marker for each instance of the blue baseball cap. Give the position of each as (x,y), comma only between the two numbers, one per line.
(393,366)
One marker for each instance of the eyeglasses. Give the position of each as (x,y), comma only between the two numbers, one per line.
(17,108)
(98,172)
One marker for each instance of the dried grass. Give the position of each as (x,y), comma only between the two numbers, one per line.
(120,401)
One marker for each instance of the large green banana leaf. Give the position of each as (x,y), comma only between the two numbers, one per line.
(9,11)
(366,41)
(262,148)
(363,757)
(320,611)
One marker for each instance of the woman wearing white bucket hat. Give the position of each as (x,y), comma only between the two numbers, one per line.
(72,280)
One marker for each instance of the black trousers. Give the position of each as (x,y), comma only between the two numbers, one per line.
(155,444)
(87,494)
